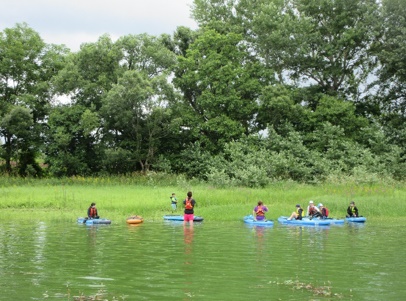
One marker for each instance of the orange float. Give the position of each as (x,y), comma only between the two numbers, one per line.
(133,220)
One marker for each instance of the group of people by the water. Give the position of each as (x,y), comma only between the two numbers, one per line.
(312,211)
(188,204)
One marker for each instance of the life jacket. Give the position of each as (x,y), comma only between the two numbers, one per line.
(93,212)
(326,212)
(188,204)
(312,211)
(260,211)
(299,212)
(354,211)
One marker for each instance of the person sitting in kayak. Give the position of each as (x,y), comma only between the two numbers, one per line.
(323,210)
(259,211)
(312,211)
(352,210)
(92,212)
(297,214)
(189,204)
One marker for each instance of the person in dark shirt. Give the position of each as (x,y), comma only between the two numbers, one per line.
(189,205)
(352,210)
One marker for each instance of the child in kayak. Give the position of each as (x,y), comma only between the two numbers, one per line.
(352,210)
(297,214)
(259,211)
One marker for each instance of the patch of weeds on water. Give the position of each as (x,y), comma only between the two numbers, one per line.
(321,291)
(100,295)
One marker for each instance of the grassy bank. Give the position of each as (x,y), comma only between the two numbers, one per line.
(118,198)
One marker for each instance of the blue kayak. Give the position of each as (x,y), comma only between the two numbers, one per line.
(98,221)
(180,218)
(249,219)
(359,219)
(310,222)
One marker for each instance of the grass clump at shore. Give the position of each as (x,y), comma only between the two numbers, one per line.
(119,197)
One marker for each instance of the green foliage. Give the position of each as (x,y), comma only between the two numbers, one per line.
(72,147)
(203,104)
(148,195)
(27,67)
(220,82)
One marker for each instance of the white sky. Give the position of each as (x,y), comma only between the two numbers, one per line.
(73,22)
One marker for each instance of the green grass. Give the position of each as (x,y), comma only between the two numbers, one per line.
(117,198)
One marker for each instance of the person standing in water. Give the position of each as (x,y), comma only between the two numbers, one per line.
(189,205)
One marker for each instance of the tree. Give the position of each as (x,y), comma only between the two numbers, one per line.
(73,146)
(392,56)
(220,83)
(135,119)
(392,74)
(27,66)
(90,73)
(146,53)
(312,42)
(16,128)
(323,43)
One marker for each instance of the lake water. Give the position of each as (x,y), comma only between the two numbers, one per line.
(212,261)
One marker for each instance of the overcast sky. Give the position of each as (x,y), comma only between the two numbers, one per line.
(72,22)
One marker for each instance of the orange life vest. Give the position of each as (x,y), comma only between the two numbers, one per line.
(260,211)
(188,204)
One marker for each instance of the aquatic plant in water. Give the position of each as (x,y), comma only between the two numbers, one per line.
(324,290)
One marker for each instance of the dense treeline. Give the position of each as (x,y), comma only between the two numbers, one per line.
(263,90)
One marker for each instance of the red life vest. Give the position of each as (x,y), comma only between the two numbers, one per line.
(260,211)
(93,212)
(188,204)
(312,211)
(326,212)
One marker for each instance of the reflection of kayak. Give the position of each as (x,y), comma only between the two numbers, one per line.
(359,219)
(180,218)
(134,220)
(310,222)
(97,221)
(249,219)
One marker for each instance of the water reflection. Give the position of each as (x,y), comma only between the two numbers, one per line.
(188,233)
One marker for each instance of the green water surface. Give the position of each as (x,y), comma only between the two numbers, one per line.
(212,261)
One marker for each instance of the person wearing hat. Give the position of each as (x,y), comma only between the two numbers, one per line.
(92,212)
(312,211)
(297,214)
(352,210)
(323,210)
